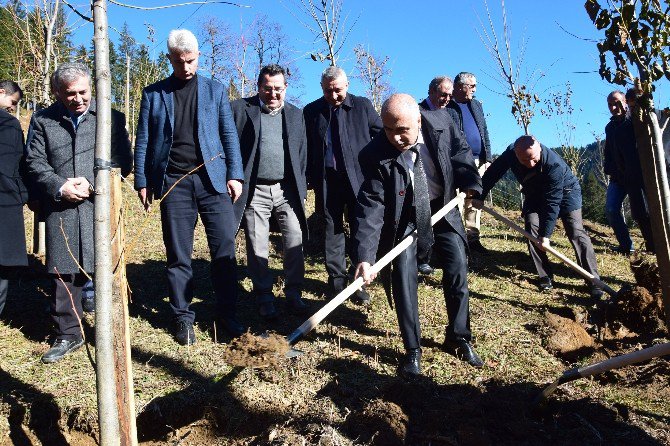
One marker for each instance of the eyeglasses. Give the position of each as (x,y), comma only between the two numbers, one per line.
(445,95)
(270,90)
(469,86)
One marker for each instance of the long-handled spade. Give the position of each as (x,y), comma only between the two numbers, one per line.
(581,271)
(603,366)
(336,301)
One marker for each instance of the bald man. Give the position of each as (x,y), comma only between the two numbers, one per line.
(550,191)
(415,166)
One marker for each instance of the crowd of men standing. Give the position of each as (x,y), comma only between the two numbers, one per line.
(249,163)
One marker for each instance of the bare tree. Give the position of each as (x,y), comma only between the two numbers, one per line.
(328,25)
(373,71)
(558,107)
(516,83)
(217,43)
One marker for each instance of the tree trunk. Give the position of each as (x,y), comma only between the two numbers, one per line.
(652,160)
(127,98)
(108,416)
(48,50)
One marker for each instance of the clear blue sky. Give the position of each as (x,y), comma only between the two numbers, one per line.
(425,38)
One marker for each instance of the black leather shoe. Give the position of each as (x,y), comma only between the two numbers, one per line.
(410,364)
(296,305)
(184,334)
(463,350)
(545,284)
(230,326)
(476,246)
(267,311)
(425,269)
(60,348)
(596,292)
(361,297)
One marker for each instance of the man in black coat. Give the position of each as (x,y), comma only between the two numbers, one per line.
(339,125)
(550,191)
(389,209)
(471,120)
(274,154)
(13,193)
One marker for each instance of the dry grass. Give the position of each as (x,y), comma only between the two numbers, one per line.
(188,395)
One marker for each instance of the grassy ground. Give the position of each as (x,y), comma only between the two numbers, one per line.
(343,390)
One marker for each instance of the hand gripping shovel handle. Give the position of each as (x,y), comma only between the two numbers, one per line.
(603,366)
(582,272)
(320,315)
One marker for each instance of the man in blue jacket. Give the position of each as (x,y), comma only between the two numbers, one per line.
(187,154)
(550,191)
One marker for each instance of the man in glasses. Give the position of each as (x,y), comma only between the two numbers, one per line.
(274,152)
(472,122)
(440,91)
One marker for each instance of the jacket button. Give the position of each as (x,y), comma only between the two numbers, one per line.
(401,193)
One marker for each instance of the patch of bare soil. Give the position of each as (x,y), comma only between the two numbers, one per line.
(566,338)
(380,422)
(256,351)
(639,310)
(645,270)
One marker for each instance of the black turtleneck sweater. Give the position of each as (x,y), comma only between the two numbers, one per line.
(185,152)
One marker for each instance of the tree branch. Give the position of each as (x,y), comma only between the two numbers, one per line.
(151,8)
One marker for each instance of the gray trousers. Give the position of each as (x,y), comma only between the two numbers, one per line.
(279,201)
(580,240)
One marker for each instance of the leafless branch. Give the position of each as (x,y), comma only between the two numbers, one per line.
(151,8)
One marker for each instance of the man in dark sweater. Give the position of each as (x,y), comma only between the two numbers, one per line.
(272,138)
(188,155)
(550,191)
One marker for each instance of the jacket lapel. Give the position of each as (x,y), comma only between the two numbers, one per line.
(168,100)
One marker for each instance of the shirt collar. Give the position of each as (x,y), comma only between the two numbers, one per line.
(267,110)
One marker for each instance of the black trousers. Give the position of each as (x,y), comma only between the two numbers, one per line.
(339,196)
(193,196)
(449,253)
(65,305)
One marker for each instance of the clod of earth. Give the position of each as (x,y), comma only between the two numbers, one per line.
(254,351)
(382,422)
(645,270)
(639,310)
(566,338)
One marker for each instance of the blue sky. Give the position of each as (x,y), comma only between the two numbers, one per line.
(427,38)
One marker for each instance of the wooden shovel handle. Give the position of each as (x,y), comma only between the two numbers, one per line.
(320,315)
(585,274)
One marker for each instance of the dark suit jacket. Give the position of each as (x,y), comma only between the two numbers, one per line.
(12,189)
(549,188)
(380,201)
(359,123)
(218,141)
(477,111)
(247,116)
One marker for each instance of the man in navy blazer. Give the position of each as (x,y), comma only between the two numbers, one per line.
(187,154)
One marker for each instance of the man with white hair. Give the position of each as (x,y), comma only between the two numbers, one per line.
(411,170)
(187,155)
(339,124)
(60,164)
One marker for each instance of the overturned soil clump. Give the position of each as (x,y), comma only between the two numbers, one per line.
(566,338)
(645,270)
(380,423)
(255,351)
(639,310)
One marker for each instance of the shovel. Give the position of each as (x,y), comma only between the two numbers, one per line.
(604,366)
(581,271)
(320,315)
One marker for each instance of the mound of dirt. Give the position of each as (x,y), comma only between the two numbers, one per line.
(645,270)
(566,338)
(639,310)
(256,351)
(380,423)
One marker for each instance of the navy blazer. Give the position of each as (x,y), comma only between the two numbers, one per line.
(217,137)
(550,188)
(247,121)
(359,123)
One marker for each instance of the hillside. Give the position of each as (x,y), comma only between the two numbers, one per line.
(343,390)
